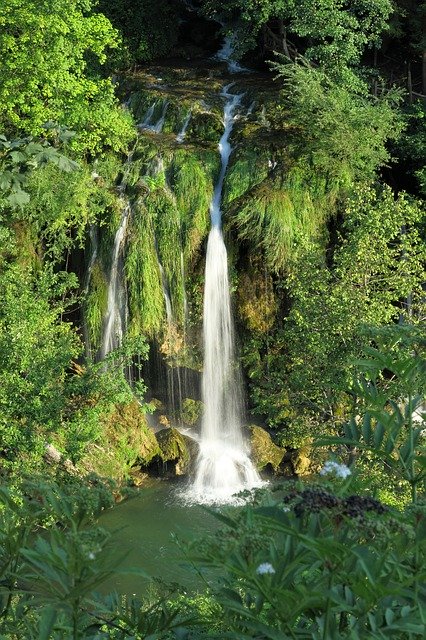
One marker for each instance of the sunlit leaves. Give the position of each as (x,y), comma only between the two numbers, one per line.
(20,156)
(45,48)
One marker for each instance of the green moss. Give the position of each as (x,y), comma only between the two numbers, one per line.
(191,175)
(191,411)
(268,219)
(95,305)
(125,441)
(257,304)
(249,167)
(143,274)
(175,448)
(204,127)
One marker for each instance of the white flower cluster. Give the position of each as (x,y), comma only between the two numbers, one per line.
(265,567)
(340,470)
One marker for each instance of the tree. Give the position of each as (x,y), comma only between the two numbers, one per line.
(149,27)
(51,52)
(334,32)
(373,270)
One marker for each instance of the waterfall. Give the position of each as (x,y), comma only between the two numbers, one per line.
(155,127)
(148,117)
(115,317)
(166,294)
(223,466)
(226,54)
(182,133)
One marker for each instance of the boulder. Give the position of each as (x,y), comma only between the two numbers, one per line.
(265,453)
(176,451)
(300,462)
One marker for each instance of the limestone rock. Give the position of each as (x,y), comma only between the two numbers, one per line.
(176,451)
(300,462)
(264,452)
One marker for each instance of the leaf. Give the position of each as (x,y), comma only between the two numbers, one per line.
(66,135)
(379,433)
(47,621)
(63,163)
(5,180)
(18,157)
(389,616)
(366,428)
(18,198)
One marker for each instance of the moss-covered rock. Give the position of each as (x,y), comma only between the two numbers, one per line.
(257,305)
(176,451)
(300,461)
(205,126)
(126,441)
(264,452)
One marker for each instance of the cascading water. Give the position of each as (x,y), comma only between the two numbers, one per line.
(223,466)
(115,318)
(157,126)
(226,53)
(182,133)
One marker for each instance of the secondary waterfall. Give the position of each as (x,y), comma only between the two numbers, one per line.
(115,318)
(223,466)
(182,133)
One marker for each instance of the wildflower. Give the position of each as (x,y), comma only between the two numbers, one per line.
(340,470)
(91,556)
(265,567)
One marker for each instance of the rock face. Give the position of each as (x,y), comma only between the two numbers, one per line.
(266,455)
(175,455)
(127,442)
(271,458)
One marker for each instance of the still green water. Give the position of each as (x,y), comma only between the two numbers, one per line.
(144,527)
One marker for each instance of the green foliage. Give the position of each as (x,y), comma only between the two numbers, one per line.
(149,27)
(334,33)
(411,147)
(45,396)
(275,213)
(339,131)
(142,271)
(19,157)
(191,179)
(388,421)
(50,52)
(366,281)
(49,576)
(35,353)
(318,564)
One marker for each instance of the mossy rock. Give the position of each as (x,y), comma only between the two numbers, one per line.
(126,441)
(257,305)
(300,461)
(205,126)
(264,452)
(176,449)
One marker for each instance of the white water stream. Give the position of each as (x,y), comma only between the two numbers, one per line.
(115,317)
(155,127)
(223,466)
(182,133)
